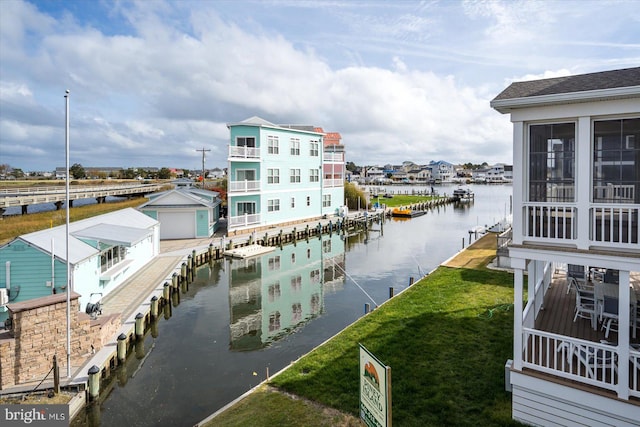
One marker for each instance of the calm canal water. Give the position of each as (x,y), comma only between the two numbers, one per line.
(242,317)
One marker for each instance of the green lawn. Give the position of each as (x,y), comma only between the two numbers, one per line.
(446,339)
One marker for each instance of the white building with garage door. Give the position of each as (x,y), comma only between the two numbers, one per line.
(185,212)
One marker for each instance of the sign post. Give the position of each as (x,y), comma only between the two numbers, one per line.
(375,390)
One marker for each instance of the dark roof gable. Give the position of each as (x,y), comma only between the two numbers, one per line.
(579,83)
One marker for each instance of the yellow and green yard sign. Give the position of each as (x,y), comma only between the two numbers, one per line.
(375,390)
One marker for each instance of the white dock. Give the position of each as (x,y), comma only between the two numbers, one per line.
(249,251)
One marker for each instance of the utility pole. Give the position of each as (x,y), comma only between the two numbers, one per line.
(203,151)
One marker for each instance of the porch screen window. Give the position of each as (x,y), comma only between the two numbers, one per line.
(245,175)
(616,161)
(552,162)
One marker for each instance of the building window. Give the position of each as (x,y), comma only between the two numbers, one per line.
(274,321)
(552,162)
(111,257)
(295,146)
(296,283)
(296,313)
(314,275)
(246,141)
(274,263)
(308,200)
(274,291)
(293,202)
(616,161)
(273,176)
(314,175)
(295,175)
(248,208)
(326,200)
(273,145)
(313,149)
(273,205)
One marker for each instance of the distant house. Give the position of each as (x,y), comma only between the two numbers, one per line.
(103,252)
(576,248)
(441,171)
(216,173)
(185,212)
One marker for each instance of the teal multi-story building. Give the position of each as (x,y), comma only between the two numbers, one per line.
(281,175)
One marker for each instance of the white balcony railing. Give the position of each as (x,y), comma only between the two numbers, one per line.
(244,220)
(243,186)
(614,225)
(333,183)
(548,221)
(333,157)
(244,152)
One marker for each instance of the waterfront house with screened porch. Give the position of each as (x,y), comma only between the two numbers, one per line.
(575,249)
(281,174)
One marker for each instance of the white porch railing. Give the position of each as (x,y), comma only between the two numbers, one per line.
(634,373)
(243,186)
(333,183)
(243,220)
(614,225)
(574,359)
(548,221)
(244,152)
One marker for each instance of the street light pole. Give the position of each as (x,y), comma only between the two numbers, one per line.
(66,138)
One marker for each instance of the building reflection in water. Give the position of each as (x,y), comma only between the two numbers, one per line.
(272,295)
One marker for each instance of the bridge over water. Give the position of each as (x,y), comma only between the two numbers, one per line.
(26,196)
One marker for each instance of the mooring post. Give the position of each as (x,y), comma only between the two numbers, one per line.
(410,281)
(183,272)
(390,292)
(122,347)
(367,307)
(166,293)
(94,382)
(154,306)
(139,325)
(56,376)
(210,252)
(463,243)
(174,280)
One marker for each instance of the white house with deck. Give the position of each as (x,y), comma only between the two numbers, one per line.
(575,250)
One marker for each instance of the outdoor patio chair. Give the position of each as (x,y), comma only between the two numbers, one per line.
(609,315)
(585,304)
(591,359)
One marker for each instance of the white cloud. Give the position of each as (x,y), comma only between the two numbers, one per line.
(152,82)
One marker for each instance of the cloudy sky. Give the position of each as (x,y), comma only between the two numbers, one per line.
(153,81)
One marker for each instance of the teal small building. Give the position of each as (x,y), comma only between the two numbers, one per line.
(185,212)
(103,252)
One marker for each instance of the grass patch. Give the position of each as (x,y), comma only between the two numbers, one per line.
(16,225)
(446,339)
(266,407)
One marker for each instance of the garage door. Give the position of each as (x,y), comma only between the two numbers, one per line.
(177,225)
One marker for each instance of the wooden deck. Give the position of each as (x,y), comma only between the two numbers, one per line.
(557,316)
